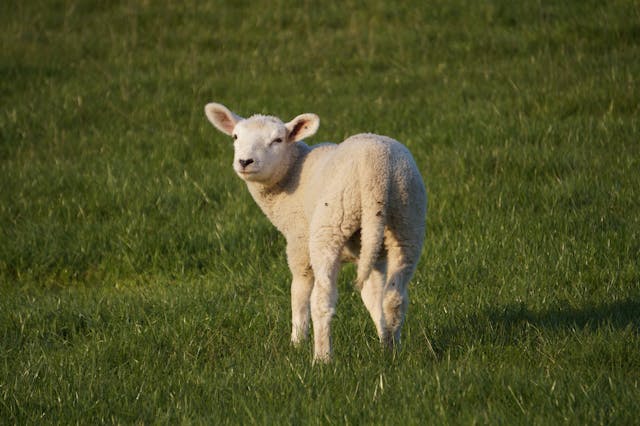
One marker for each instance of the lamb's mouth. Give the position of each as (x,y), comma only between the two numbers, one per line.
(245,173)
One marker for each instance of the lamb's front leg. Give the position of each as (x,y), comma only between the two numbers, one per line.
(301,287)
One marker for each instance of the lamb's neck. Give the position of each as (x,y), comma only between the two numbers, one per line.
(274,202)
(278,201)
(265,195)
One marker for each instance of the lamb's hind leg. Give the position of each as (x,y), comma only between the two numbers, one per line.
(325,246)
(403,255)
(323,305)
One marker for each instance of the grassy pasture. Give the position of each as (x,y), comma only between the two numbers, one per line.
(139,283)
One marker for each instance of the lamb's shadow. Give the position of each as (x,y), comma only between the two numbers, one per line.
(513,323)
(618,314)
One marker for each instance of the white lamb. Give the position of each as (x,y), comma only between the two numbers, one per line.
(362,200)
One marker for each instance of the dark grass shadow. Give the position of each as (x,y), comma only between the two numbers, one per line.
(618,314)
(514,323)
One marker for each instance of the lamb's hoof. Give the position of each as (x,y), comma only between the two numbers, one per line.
(297,343)
(298,337)
(386,340)
(321,359)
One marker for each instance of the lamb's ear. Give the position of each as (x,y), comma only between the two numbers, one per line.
(221,117)
(303,126)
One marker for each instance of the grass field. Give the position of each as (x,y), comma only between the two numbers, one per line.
(139,283)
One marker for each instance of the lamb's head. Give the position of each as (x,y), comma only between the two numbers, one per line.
(263,145)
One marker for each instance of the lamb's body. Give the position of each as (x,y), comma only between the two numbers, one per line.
(362,200)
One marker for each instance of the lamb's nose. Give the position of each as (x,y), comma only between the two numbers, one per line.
(245,163)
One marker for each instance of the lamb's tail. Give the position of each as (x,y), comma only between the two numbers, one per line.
(374,193)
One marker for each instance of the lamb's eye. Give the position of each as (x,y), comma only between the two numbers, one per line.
(276,140)
(235,137)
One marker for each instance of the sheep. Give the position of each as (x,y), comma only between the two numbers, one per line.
(362,200)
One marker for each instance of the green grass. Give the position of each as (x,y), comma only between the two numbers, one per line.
(139,283)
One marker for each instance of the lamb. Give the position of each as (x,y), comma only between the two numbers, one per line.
(362,200)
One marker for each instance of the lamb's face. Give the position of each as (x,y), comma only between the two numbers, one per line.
(261,149)
(263,144)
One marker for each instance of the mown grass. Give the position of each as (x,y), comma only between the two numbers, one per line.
(139,283)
